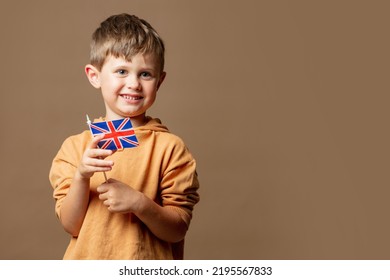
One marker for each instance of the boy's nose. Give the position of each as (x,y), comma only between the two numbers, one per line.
(133,82)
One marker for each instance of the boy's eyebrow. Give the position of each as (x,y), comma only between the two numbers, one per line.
(121,66)
(146,67)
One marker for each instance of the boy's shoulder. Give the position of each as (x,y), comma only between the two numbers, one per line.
(73,147)
(155,126)
(80,137)
(77,141)
(162,135)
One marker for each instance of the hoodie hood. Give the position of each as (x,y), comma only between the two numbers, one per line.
(153,124)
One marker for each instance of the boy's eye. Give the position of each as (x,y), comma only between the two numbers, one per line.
(146,75)
(121,72)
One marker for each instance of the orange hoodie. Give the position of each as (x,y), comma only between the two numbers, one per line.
(161,167)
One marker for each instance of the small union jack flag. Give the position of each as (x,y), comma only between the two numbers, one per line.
(118,134)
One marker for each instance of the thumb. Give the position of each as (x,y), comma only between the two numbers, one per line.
(102,188)
(95,140)
(111,180)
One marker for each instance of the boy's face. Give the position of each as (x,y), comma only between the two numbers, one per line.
(128,87)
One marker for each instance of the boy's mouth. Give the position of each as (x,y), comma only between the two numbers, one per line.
(131,97)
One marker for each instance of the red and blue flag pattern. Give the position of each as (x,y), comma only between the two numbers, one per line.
(118,134)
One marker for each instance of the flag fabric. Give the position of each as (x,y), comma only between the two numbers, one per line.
(118,134)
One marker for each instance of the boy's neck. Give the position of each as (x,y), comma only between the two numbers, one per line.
(139,120)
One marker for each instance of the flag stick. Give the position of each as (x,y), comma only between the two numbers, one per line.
(89,125)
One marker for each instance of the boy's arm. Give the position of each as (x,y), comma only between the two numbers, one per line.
(164,222)
(75,203)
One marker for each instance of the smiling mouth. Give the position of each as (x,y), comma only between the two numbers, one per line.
(131,97)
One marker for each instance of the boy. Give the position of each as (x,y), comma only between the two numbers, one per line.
(144,209)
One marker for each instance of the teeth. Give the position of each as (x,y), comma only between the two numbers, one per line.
(131,97)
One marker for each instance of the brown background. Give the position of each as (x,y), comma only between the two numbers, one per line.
(283,103)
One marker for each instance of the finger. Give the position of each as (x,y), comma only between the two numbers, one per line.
(100,169)
(103,196)
(103,188)
(95,162)
(98,153)
(95,140)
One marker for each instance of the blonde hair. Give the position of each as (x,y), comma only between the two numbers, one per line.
(125,35)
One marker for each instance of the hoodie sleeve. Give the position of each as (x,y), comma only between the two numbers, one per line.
(179,184)
(64,166)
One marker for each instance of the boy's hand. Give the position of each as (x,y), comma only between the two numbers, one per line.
(93,159)
(166,223)
(119,197)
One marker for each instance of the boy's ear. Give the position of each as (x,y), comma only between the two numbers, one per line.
(93,75)
(161,80)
